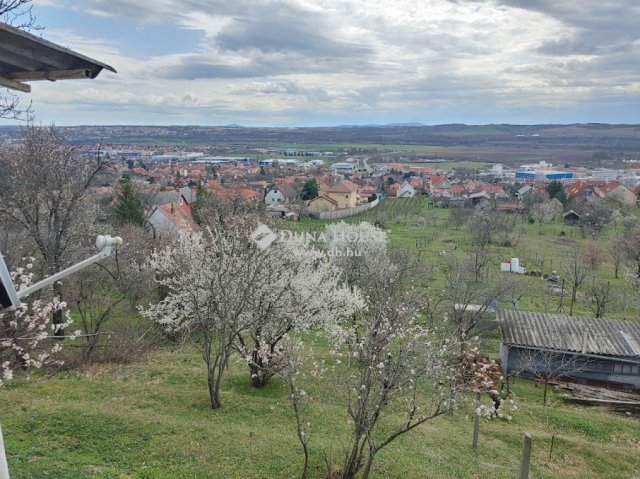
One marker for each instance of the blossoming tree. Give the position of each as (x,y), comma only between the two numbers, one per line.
(390,370)
(303,291)
(213,279)
(26,331)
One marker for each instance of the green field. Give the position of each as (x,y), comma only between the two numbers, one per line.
(415,227)
(151,419)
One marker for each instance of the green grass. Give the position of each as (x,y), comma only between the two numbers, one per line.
(151,420)
(415,227)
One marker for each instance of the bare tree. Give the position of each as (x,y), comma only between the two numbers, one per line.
(96,301)
(595,253)
(534,198)
(545,212)
(631,249)
(469,294)
(106,296)
(617,251)
(595,214)
(488,227)
(44,189)
(576,270)
(600,293)
(482,228)
(393,364)
(549,366)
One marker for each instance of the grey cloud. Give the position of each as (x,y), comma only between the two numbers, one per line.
(282,27)
(601,27)
(565,47)
(268,27)
(285,88)
(192,69)
(203,66)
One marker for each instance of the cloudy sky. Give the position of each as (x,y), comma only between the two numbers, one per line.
(328,62)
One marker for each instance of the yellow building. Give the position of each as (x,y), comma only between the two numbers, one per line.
(345,194)
(322,204)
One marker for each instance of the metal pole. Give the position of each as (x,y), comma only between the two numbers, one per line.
(526,456)
(4,468)
(476,423)
(106,244)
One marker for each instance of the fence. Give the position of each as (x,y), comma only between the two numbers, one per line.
(334,215)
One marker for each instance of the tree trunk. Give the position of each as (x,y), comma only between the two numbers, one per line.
(573,300)
(214,391)
(354,461)
(58,318)
(260,375)
(369,466)
(546,386)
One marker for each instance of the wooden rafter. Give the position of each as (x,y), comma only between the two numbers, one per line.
(50,75)
(15,85)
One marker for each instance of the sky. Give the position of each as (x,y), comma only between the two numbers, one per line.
(333,62)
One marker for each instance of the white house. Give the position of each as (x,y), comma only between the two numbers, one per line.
(343,167)
(406,191)
(274,196)
(280,194)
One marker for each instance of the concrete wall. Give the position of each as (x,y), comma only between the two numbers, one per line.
(334,215)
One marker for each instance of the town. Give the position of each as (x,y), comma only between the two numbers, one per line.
(334,185)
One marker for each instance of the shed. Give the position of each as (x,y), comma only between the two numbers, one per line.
(25,57)
(571,218)
(610,348)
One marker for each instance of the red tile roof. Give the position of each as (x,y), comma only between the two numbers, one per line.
(436,180)
(343,187)
(178,217)
(609,187)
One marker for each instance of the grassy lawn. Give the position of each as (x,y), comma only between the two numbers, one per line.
(151,419)
(416,228)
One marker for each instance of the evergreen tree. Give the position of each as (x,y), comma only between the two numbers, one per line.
(556,190)
(204,198)
(310,190)
(129,208)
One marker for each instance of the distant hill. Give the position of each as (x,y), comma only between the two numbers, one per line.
(589,142)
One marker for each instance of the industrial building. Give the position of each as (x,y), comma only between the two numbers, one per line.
(544,175)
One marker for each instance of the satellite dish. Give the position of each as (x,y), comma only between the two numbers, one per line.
(8,296)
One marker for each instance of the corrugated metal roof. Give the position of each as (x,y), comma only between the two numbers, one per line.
(166,197)
(26,57)
(570,333)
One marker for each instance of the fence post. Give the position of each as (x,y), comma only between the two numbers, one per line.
(4,468)
(476,423)
(526,456)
